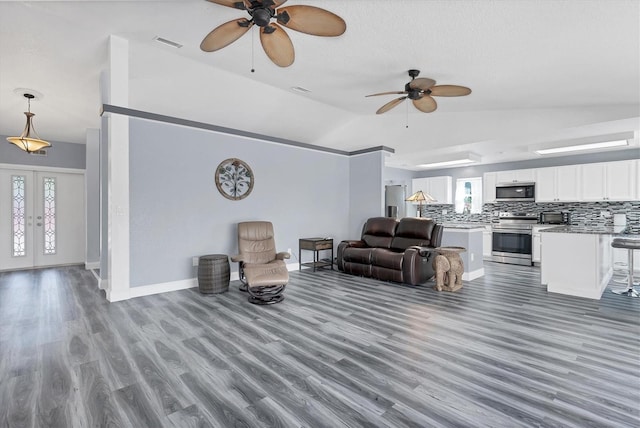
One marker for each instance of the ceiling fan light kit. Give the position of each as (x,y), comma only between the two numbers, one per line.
(29,141)
(421,90)
(274,39)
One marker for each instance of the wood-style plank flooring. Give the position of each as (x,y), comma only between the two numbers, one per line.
(340,351)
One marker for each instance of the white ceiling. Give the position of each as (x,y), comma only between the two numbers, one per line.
(541,72)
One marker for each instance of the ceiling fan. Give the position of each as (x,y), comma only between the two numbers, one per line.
(275,41)
(421,92)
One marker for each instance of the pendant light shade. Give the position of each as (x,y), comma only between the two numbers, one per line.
(29,141)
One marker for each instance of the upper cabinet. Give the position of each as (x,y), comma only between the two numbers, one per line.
(489,181)
(558,184)
(610,181)
(441,188)
(516,176)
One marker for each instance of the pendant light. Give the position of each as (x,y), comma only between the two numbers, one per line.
(26,141)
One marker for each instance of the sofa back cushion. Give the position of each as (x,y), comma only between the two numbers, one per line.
(413,231)
(379,231)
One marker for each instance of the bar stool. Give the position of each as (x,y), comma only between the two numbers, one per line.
(629,244)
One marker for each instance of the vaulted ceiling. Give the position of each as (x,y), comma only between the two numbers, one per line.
(541,72)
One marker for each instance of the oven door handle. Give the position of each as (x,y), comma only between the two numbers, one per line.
(516,231)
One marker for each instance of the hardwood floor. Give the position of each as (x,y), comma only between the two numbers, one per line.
(339,351)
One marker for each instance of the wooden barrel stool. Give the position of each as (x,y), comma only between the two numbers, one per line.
(213,273)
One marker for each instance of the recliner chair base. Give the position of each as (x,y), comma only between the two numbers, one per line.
(266,295)
(271,301)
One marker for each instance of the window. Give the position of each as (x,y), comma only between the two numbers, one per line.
(18,214)
(469,195)
(49,204)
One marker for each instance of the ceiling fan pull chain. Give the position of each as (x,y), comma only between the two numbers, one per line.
(407,110)
(253,39)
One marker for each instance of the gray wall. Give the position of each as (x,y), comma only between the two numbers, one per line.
(59,155)
(367,190)
(177,213)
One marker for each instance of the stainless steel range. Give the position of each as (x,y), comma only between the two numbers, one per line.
(511,241)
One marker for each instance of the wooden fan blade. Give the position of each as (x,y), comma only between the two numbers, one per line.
(312,20)
(278,3)
(391,104)
(278,46)
(236,4)
(426,104)
(422,83)
(450,91)
(387,93)
(225,34)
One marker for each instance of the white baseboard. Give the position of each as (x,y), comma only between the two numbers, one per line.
(103,284)
(91,265)
(165,287)
(470,276)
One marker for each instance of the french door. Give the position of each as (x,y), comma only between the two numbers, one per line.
(42,218)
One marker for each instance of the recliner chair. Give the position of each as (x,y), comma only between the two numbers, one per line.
(263,272)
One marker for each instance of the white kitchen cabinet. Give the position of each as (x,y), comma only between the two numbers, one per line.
(516,176)
(558,184)
(487,238)
(615,181)
(622,180)
(489,187)
(536,243)
(441,188)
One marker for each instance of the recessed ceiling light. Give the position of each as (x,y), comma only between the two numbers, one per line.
(300,89)
(580,147)
(167,42)
(463,159)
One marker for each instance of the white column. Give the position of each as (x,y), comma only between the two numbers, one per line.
(118,172)
(92,198)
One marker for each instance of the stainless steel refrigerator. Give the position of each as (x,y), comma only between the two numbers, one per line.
(394,200)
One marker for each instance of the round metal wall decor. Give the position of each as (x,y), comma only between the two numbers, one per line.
(234,179)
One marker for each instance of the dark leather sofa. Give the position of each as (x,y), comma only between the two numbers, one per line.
(392,250)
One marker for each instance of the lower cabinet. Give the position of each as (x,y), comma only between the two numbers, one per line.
(536,245)
(487,238)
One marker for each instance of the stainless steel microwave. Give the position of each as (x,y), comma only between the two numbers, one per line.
(516,192)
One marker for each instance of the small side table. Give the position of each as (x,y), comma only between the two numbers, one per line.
(452,267)
(316,245)
(213,273)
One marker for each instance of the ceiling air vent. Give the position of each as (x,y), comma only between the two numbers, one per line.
(39,153)
(167,42)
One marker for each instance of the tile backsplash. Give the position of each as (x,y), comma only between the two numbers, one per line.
(582,213)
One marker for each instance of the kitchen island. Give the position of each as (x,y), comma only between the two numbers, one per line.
(577,260)
(469,236)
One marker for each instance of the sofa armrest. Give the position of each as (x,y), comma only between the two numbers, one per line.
(436,235)
(417,264)
(342,246)
(353,243)
(423,251)
(283,255)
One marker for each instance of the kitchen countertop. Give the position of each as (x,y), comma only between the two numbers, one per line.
(592,230)
(464,226)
